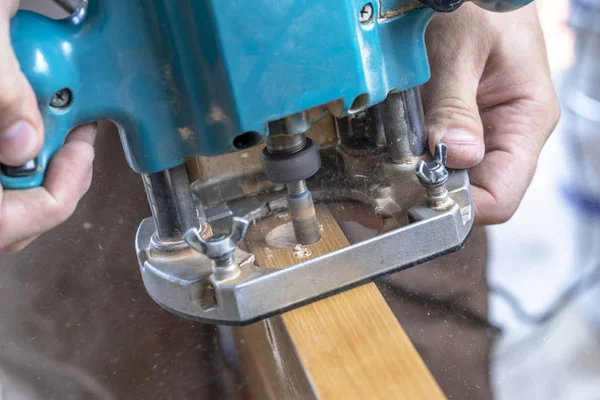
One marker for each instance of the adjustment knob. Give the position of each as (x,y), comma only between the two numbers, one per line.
(219,248)
(434,173)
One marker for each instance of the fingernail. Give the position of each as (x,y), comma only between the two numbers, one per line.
(466,149)
(459,136)
(18,141)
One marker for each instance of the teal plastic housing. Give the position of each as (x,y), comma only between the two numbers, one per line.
(204,77)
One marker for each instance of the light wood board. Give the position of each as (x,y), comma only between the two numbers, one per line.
(351,344)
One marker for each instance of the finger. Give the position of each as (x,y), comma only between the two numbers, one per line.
(519,111)
(70,173)
(85,133)
(17,247)
(21,127)
(27,213)
(8,7)
(499,184)
(450,97)
(516,134)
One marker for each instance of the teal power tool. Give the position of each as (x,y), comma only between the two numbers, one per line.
(211,77)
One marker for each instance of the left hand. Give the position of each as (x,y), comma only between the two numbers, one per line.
(26,214)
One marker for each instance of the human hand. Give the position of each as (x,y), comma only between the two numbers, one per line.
(25,214)
(491,101)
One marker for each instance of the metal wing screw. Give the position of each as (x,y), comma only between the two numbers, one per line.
(218,247)
(434,173)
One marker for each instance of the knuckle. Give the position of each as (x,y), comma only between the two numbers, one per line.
(8,245)
(506,205)
(63,210)
(554,112)
(6,251)
(11,249)
(454,109)
(5,248)
(499,215)
(505,212)
(450,105)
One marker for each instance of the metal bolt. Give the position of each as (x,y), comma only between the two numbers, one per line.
(366,13)
(61,99)
(433,176)
(219,248)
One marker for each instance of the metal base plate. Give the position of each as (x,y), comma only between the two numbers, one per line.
(182,282)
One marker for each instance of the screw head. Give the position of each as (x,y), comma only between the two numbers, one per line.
(61,99)
(366,13)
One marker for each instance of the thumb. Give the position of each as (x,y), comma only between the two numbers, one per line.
(21,126)
(452,117)
(450,97)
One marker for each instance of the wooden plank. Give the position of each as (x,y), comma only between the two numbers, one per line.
(267,362)
(351,344)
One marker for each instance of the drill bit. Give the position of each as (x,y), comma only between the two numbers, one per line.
(302,210)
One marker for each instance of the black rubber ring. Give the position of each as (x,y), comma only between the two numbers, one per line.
(291,167)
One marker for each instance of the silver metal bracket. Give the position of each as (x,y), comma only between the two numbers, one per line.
(181,280)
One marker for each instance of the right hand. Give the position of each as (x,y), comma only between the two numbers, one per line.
(25,214)
(491,101)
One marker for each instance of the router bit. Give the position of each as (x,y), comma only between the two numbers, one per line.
(291,158)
